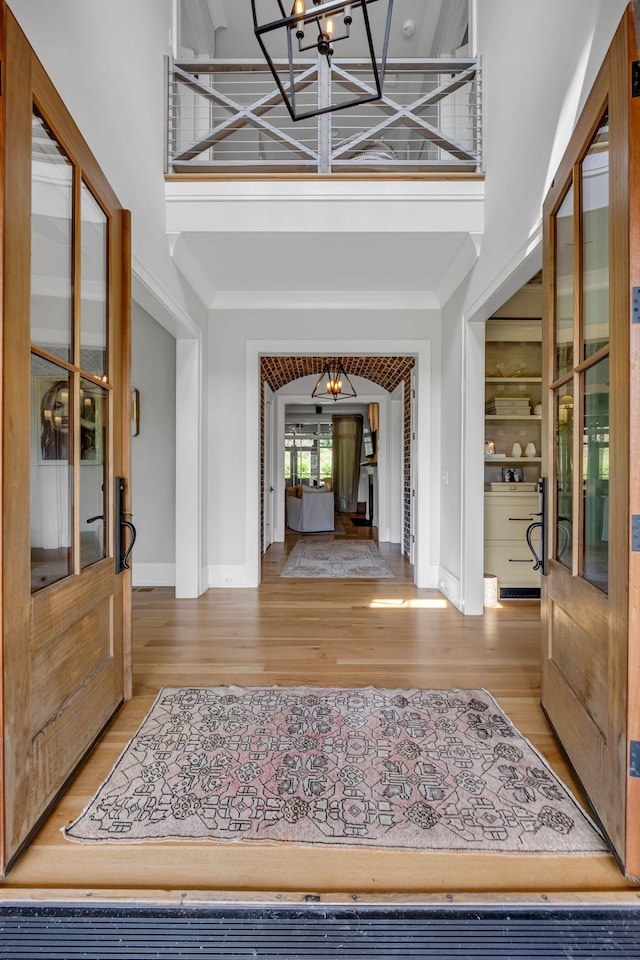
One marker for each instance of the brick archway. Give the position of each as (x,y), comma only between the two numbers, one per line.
(386,371)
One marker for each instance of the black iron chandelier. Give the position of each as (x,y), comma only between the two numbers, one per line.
(333,383)
(316,26)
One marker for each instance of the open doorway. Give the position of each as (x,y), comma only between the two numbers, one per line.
(388,381)
(303,437)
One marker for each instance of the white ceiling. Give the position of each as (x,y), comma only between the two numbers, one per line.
(226,26)
(338,262)
(410,267)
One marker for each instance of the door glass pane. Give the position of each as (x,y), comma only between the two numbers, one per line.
(595,241)
(93,471)
(51,474)
(595,475)
(93,287)
(564,474)
(51,243)
(564,287)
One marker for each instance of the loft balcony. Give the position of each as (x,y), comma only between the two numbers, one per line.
(227,118)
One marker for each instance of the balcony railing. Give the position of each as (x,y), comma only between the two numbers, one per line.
(228,117)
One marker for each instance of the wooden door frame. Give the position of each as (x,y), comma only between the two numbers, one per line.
(612,86)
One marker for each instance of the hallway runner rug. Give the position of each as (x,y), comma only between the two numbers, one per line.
(336,559)
(420,769)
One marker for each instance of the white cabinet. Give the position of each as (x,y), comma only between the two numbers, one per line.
(506,552)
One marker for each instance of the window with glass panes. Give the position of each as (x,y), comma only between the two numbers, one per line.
(308,453)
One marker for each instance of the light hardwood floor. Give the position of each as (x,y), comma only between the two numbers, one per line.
(386,633)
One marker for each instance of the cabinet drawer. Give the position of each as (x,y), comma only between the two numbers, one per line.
(507,516)
(512,564)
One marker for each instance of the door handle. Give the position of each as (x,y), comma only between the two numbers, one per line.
(540,561)
(134,534)
(122,524)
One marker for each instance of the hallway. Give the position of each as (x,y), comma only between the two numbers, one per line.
(351,632)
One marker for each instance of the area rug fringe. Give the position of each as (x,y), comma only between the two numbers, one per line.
(432,770)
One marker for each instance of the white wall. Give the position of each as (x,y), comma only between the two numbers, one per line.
(233,480)
(153,481)
(451,467)
(107,62)
(396,465)
(539,62)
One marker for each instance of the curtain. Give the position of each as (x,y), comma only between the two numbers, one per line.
(347,449)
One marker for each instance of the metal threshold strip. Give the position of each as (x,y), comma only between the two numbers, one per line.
(318,933)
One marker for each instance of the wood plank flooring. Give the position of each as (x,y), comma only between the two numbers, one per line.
(350,632)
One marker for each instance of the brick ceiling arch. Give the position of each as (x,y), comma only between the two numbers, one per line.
(387,372)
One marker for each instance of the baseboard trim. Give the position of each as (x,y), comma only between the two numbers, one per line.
(153,574)
(449,585)
(228,576)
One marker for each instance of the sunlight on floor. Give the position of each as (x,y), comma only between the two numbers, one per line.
(409,604)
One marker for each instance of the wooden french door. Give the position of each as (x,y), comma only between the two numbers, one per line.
(588,636)
(65,372)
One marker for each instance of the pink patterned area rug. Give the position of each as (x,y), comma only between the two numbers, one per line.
(420,769)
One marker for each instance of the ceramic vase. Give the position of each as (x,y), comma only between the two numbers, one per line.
(530,450)
(516,450)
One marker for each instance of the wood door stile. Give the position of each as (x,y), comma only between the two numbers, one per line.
(3,12)
(16,338)
(65,671)
(122,349)
(633,667)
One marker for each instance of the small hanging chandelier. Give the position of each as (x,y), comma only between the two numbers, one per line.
(316,25)
(333,383)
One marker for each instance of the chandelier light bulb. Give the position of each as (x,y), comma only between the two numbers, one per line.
(333,22)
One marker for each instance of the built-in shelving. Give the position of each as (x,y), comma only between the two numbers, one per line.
(513,371)
(513,374)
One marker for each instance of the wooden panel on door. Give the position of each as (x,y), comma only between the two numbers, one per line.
(66,610)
